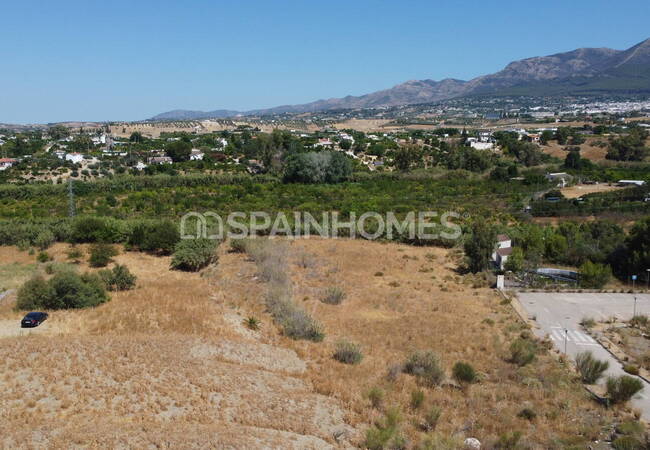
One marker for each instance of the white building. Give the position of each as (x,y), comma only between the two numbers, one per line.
(75,158)
(502,251)
(6,163)
(481,145)
(196,155)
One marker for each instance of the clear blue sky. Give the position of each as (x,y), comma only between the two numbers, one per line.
(119,60)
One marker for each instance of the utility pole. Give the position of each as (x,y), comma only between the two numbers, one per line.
(71,204)
(634,314)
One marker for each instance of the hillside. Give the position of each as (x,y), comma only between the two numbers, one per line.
(171,364)
(584,71)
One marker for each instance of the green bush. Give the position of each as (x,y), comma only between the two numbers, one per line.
(74,254)
(376,397)
(417,399)
(522,351)
(157,237)
(101,254)
(44,239)
(590,368)
(425,365)
(431,418)
(509,440)
(627,443)
(463,372)
(43,257)
(66,289)
(333,296)
(119,278)
(295,322)
(193,255)
(34,294)
(631,369)
(593,275)
(348,352)
(386,434)
(528,414)
(623,388)
(238,245)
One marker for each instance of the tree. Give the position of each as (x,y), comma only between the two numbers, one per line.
(515,262)
(545,137)
(317,167)
(573,159)
(479,246)
(345,144)
(101,254)
(194,254)
(630,147)
(179,151)
(562,135)
(406,156)
(594,275)
(66,289)
(637,248)
(58,132)
(136,137)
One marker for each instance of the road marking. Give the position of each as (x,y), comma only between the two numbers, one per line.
(578,338)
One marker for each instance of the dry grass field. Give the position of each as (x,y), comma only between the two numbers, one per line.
(579,190)
(171,364)
(588,150)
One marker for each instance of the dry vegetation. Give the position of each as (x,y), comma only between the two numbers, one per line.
(593,149)
(172,362)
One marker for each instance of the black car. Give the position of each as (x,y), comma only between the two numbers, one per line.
(33,319)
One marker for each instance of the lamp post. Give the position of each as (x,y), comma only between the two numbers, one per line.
(634,314)
(647,279)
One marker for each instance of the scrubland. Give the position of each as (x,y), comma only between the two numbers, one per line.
(177,362)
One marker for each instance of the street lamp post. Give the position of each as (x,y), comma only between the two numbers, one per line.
(566,338)
(647,279)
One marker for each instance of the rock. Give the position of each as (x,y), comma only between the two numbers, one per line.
(472,444)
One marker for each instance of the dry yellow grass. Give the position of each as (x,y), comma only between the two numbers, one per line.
(171,364)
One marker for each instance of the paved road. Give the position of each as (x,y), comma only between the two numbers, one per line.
(559,316)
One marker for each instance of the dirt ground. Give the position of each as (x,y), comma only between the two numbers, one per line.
(582,189)
(588,150)
(170,364)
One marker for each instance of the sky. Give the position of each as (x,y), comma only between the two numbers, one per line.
(130,60)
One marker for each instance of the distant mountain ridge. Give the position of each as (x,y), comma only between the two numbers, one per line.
(585,71)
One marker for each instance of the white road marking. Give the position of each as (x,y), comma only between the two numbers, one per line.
(578,338)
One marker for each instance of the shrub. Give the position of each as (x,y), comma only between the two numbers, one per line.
(348,352)
(74,254)
(376,397)
(464,372)
(157,237)
(528,414)
(295,322)
(509,441)
(238,245)
(590,368)
(631,369)
(623,388)
(252,323)
(44,239)
(43,257)
(522,351)
(431,418)
(627,443)
(34,293)
(417,399)
(426,366)
(66,289)
(193,255)
(639,321)
(594,276)
(101,254)
(385,434)
(119,278)
(588,322)
(333,296)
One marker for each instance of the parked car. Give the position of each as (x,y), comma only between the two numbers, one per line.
(33,319)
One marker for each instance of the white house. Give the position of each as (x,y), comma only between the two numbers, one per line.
(502,251)
(325,142)
(97,140)
(196,155)
(159,160)
(75,158)
(481,145)
(631,182)
(6,163)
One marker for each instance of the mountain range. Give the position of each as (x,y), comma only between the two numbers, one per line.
(585,71)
